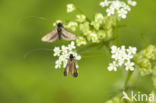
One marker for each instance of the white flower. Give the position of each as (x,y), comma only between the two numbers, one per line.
(64,49)
(129,66)
(70,8)
(122,13)
(110,11)
(104,3)
(58,64)
(71,46)
(112,66)
(132,50)
(132,3)
(81,18)
(114,49)
(116,4)
(57,51)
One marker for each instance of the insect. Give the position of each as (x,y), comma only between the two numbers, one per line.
(71,67)
(58,33)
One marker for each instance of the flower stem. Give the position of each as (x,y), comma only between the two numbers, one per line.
(80,11)
(116,34)
(127,80)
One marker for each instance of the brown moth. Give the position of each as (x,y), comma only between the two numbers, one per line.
(58,33)
(71,67)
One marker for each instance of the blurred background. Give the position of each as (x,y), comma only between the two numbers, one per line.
(31,78)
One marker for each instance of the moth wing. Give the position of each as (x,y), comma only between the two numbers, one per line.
(74,70)
(66,71)
(67,35)
(51,36)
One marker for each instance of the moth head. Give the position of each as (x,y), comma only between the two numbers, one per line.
(71,56)
(59,24)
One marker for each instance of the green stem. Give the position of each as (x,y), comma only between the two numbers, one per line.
(127,80)
(116,34)
(80,11)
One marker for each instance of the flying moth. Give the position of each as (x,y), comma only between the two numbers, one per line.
(58,33)
(71,67)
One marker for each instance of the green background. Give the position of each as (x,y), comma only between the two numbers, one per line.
(34,80)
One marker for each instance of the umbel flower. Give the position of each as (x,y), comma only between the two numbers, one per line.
(117,8)
(146,60)
(122,56)
(63,54)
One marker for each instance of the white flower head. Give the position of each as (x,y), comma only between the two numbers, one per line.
(122,56)
(70,8)
(117,8)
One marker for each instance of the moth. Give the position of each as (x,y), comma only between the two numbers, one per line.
(58,33)
(71,67)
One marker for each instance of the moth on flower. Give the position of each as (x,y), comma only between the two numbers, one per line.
(71,67)
(67,58)
(58,33)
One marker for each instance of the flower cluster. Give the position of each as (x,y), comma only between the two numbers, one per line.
(122,56)
(117,8)
(63,53)
(146,60)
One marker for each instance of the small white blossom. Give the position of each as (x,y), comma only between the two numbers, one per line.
(112,66)
(70,8)
(71,46)
(122,13)
(110,11)
(64,49)
(129,66)
(132,50)
(57,51)
(58,64)
(132,3)
(104,3)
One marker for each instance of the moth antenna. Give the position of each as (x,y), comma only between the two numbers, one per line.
(37,17)
(35,50)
